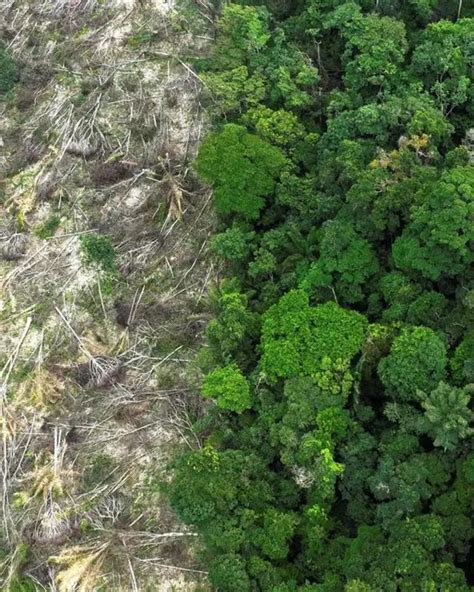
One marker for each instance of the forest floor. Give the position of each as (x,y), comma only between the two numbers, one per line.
(103,290)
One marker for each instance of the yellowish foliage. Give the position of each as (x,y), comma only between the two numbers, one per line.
(81,568)
(40,389)
(391,159)
(21,190)
(49,478)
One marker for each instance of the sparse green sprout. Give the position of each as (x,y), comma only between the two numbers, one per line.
(48,227)
(142,38)
(109,284)
(78,99)
(8,73)
(97,249)
(99,471)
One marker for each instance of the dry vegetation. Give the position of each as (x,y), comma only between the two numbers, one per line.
(97,336)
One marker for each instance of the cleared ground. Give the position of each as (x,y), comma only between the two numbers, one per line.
(97,335)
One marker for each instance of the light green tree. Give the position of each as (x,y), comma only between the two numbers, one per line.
(229,388)
(242,169)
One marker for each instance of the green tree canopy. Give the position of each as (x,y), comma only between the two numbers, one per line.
(449,416)
(296,336)
(416,362)
(229,388)
(437,241)
(241,168)
(342,346)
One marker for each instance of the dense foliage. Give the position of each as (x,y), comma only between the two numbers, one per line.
(338,455)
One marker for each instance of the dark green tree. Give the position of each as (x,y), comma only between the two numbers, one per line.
(416,363)
(443,60)
(437,240)
(346,262)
